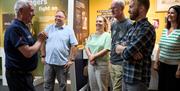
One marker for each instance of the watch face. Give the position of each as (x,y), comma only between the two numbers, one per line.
(43,56)
(72,59)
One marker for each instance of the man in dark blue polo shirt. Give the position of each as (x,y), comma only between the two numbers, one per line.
(21,49)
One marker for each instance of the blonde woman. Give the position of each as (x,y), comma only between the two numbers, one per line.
(97,50)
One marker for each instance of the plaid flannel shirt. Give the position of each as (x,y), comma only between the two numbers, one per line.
(140,39)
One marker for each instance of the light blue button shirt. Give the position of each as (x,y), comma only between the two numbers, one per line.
(58,44)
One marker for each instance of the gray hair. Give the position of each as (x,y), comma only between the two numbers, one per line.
(120,3)
(21,4)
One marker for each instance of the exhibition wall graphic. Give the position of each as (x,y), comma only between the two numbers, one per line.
(44,13)
(81,18)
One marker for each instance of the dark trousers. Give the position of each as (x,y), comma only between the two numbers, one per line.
(19,81)
(167,78)
(51,72)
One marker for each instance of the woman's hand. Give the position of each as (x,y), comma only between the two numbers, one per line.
(156,65)
(91,57)
(178,72)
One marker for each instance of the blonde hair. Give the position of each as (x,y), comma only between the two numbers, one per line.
(105,23)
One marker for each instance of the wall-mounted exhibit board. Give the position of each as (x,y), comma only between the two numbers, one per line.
(44,15)
(81,20)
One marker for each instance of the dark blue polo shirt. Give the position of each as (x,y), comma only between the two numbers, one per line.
(16,35)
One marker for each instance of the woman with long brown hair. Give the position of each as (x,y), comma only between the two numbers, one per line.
(169,53)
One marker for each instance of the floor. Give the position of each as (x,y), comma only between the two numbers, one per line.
(38,87)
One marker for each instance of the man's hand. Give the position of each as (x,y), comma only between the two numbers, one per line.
(119,49)
(43,60)
(68,64)
(42,36)
(138,56)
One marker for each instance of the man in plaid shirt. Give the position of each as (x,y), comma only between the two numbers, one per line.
(139,40)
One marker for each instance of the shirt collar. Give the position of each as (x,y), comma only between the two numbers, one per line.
(20,23)
(141,21)
(60,27)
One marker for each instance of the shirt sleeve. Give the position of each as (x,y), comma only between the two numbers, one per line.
(17,38)
(73,40)
(87,41)
(138,44)
(107,44)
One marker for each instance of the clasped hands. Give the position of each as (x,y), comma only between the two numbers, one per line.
(92,58)
(42,36)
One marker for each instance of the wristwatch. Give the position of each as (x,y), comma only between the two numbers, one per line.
(43,56)
(72,59)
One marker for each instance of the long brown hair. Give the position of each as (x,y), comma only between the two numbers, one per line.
(177,9)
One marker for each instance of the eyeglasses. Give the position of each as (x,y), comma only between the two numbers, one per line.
(58,16)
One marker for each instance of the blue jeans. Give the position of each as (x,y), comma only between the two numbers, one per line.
(136,86)
(51,72)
